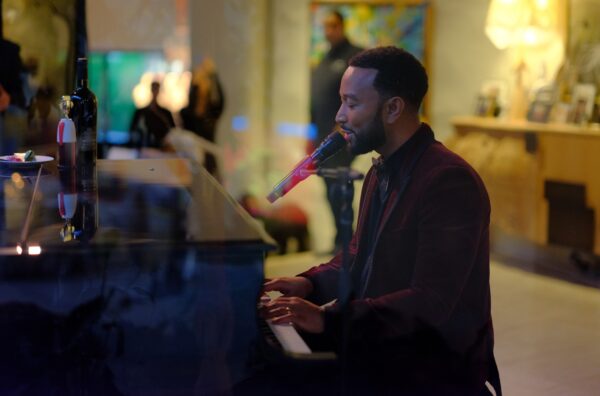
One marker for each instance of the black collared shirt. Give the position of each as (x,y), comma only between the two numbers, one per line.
(386,171)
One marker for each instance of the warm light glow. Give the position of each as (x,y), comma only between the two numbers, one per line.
(173,91)
(527,23)
(532,29)
(17,180)
(171,71)
(141,92)
(34,250)
(504,18)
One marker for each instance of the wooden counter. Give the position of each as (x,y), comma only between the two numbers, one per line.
(495,126)
(516,159)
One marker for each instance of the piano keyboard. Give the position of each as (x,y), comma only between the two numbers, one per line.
(285,337)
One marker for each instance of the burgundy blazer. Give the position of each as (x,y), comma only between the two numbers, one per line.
(425,315)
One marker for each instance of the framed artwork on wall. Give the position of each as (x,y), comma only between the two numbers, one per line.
(403,23)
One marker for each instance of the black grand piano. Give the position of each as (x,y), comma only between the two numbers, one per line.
(132,277)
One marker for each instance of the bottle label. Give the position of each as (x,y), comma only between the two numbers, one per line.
(67,146)
(65,132)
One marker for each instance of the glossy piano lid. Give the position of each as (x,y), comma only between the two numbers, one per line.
(137,202)
(213,215)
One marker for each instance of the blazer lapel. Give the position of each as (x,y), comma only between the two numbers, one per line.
(390,204)
(365,213)
(400,183)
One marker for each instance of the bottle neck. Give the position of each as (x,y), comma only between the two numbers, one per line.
(82,73)
(82,83)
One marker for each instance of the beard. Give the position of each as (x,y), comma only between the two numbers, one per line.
(370,137)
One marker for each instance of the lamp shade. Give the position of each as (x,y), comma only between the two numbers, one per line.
(522,22)
(504,18)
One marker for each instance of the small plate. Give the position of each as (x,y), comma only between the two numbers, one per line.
(39,159)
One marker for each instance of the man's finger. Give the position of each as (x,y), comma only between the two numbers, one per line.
(286,318)
(272,285)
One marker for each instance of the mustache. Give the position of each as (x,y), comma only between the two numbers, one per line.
(343,129)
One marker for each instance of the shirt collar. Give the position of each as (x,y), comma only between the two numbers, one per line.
(391,165)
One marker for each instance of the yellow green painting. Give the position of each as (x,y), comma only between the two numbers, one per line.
(398,23)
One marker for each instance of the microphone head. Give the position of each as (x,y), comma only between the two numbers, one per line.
(333,143)
(273,196)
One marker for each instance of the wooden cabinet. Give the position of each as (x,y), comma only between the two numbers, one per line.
(522,162)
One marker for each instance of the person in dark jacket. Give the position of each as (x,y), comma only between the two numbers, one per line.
(11,68)
(325,101)
(12,93)
(419,319)
(150,124)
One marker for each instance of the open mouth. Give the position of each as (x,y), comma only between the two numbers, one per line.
(344,131)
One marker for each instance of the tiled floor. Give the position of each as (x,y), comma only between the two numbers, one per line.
(547,330)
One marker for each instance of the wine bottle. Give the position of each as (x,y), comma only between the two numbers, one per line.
(84,114)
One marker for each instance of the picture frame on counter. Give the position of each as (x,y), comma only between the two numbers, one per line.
(542,104)
(582,103)
(491,99)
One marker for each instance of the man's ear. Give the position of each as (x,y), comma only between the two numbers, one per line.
(393,109)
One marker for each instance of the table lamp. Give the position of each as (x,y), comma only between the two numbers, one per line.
(526,26)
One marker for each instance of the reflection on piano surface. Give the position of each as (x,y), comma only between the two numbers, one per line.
(160,300)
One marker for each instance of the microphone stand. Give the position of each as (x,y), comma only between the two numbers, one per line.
(344,181)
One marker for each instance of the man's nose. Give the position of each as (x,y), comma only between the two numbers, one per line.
(340,117)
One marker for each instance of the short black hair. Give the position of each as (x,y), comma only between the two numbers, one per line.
(338,15)
(399,73)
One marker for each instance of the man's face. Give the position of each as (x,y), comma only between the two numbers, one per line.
(360,114)
(334,30)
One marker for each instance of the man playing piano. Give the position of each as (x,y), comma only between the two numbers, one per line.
(419,319)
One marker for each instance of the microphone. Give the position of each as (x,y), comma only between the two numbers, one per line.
(331,145)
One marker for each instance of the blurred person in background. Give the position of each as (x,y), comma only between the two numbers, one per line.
(11,74)
(13,117)
(205,106)
(325,102)
(150,124)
